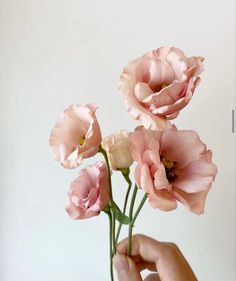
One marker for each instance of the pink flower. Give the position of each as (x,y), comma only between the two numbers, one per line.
(76,135)
(173,165)
(158,85)
(117,147)
(89,193)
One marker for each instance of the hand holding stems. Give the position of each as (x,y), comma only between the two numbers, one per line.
(147,253)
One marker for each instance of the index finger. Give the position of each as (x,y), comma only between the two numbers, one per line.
(146,247)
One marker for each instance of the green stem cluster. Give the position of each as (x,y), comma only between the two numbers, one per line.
(111,209)
(125,174)
(131,218)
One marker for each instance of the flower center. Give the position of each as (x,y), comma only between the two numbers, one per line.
(82,140)
(158,87)
(163,86)
(169,168)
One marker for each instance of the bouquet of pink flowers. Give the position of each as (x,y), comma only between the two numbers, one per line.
(171,165)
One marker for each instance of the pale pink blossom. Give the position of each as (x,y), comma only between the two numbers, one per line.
(173,166)
(76,135)
(159,84)
(117,147)
(89,193)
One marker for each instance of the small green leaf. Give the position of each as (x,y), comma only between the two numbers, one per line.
(120,216)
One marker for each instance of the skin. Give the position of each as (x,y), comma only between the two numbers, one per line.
(161,257)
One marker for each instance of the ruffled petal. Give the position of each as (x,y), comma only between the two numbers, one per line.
(181,147)
(148,120)
(142,91)
(160,73)
(162,200)
(194,202)
(197,175)
(146,181)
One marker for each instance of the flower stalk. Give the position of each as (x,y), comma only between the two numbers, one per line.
(139,208)
(125,173)
(131,218)
(110,244)
(111,213)
(103,151)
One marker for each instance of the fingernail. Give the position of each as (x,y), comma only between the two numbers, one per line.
(121,263)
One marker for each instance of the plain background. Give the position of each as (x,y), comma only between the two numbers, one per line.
(58,52)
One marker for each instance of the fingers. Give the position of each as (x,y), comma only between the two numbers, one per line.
(142,264)
(146,265)
(148,248)
(168,259)
(126,268)
(152,277)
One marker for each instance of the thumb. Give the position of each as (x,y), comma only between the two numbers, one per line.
(126,268)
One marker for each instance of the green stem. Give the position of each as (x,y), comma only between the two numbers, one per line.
(126,176)
(139,208)
(131,218)
(112,209)
(114,231)
(110,243)
(103,151)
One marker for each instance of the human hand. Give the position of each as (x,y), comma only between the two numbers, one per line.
(147,253)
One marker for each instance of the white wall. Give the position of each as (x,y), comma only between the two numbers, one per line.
(54,53)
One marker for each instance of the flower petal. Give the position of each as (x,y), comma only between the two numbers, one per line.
(194,202)
(182,147)
(142,90)
(160,73)
(148,120)
(162,200)
(146,181)
(197,175)
(160,180)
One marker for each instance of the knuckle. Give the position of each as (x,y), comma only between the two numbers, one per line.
(170,249)
(139,236)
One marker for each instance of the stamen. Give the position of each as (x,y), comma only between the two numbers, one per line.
(82,140)
(167,164)
(169,168)
(164,85)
